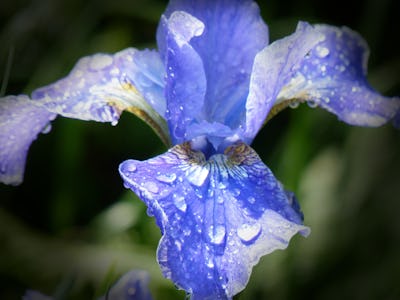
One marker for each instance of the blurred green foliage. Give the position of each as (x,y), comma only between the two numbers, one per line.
(72,229)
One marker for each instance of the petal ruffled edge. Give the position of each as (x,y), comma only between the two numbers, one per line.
(20,123)
(217,216)
(333,76)
(101,86)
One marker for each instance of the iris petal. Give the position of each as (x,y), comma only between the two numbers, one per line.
(217,216)
(131,286)
(273,68)
(20,123)
(101,86)
(186,82)
(221,54)
(333,76)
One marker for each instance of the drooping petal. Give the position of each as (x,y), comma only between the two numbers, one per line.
(222,51)
(273,68)
(217,216)
(131,286)
(101,86)
(20,123)
(333,76)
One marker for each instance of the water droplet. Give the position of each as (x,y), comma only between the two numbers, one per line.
(130,167)
(180,202)
(354,89)
(151,187)
(216,234)
(312,103)
(222,185)
(186,231)
(46,129)
(167,178)
(294,104)
(210,263)
(178,245)
(251,200)
(197,175)
(322,51)
(236,192)
(249,232)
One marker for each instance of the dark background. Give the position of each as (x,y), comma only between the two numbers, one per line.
(71,228)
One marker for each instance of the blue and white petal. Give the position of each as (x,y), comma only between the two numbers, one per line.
(333,76)
(273,68)
(20,123)
(215,74)
(132,286)
(217,216)
(101,86)
(186,81)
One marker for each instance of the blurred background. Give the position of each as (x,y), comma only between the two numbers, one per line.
(71,228)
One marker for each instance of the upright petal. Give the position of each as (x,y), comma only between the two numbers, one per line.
(333,76)
(101,86)
(273,68)
(233,33)
(186,82)
(217,216)
(20,123)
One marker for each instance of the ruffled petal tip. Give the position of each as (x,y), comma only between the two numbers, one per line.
(333,76)
(20,123)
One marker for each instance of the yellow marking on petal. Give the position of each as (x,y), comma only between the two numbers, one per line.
(241,153)
(130,87)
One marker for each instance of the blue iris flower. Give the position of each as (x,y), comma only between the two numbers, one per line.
(207,91)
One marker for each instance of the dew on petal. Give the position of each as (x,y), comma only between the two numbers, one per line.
(312,103)
(248,233)
(217,234)
(197,175)
(46,129)
(179,202)
(251,200)
(151,187)
(294,104)
(322,51)
(166,178)
(130,167)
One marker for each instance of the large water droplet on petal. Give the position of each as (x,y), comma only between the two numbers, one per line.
(312,103)
(322,51)
(180,202)
(167,178)
(130,167)
(151,187)
(249,232)
(217,234)
(46,129)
